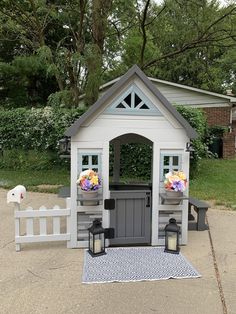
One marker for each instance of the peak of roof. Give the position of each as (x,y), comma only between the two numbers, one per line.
(134,70)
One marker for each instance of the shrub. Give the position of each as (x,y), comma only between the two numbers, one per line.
(135,161)
(35,129)
(197,119)
(217,131)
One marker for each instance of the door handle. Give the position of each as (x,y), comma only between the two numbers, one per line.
(148,199)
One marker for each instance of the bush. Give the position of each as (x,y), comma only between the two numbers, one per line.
(35,129)
(217,131)
(135,161)
(197,119)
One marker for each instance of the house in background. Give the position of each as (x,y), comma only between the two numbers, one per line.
(220,109)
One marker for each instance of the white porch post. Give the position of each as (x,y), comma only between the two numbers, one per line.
(186,165)
(105,183)
(155,192)
(73,202)
(116,166)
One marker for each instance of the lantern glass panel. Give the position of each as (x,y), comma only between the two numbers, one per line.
(90,241)
(62,145)
(172,241)
(98,243)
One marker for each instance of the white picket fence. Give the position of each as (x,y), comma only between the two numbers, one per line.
(43,216)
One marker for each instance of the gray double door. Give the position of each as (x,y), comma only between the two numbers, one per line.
(131,218)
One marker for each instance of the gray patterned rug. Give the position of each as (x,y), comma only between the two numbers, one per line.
(136,264)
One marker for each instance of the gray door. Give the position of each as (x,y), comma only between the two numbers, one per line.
(131,218)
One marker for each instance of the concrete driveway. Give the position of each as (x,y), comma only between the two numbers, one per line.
(46,278)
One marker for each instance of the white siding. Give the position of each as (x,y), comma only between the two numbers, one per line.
(181,96)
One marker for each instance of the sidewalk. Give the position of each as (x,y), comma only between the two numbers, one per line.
(46,278)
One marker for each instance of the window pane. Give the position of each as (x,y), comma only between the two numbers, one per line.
(95,160)
(95,169)
(120,106)
(85,160)
(137,100)
(165,171)
(128,100)
(144,106)
(166,160)
(175,160)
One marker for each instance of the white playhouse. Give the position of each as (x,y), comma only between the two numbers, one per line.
(131,111)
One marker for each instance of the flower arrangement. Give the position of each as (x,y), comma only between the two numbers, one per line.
(89,180)
(175,181)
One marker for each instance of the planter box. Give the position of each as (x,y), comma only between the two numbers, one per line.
(172,197)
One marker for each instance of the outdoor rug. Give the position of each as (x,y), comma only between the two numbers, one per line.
(136,264)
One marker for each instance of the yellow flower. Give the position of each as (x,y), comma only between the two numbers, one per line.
(181,175)
(174,178)
(94,180)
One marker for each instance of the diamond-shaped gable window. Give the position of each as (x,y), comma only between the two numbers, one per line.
(137,100)
(133,101)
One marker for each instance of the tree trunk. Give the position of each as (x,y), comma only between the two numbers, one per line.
(100,11)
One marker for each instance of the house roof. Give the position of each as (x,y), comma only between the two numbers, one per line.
(194,89)
(232,99)
(135,70)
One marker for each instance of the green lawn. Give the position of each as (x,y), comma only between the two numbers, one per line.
(216,181)
(52,179)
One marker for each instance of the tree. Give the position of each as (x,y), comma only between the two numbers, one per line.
(94,58)
(183,41)
(81,44)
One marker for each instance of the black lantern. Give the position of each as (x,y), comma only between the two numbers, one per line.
(96,239)
(64,146)
(190,149)
(172,237)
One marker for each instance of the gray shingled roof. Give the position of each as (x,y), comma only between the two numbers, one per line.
(135,70)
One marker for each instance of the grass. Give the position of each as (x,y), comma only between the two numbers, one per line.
(38,181)
(216,181)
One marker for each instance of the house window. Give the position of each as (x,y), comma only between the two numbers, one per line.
(170,162)
(89,160)
(133,101)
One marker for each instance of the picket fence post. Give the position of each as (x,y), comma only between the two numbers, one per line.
(42,214)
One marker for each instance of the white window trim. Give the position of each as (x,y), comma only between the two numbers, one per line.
(89,153)
(170,167)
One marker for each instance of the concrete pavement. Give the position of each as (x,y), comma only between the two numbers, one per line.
(46,278)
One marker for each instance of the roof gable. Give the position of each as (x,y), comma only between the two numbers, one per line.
(133,102)
(135,70)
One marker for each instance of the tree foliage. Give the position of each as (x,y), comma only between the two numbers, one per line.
(72,47)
